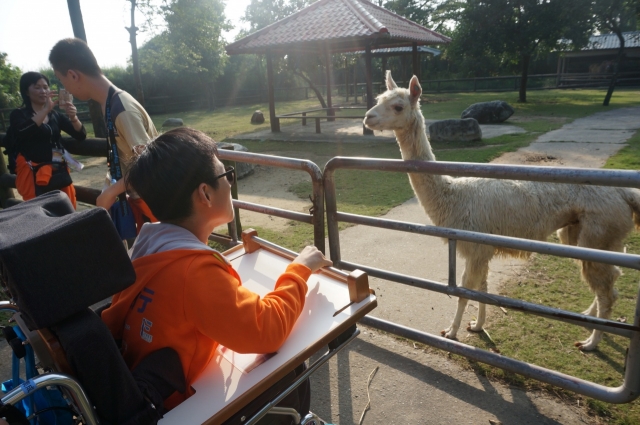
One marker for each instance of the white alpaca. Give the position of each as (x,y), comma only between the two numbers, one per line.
(587,216)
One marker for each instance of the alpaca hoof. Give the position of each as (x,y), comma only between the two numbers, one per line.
(587,345)
(473,327)
(448,334)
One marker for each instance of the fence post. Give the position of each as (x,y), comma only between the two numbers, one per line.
(304,120)
(234,227)
(475,81)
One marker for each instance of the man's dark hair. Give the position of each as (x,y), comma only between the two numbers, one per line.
(170,168)
(27,80)
(74,54)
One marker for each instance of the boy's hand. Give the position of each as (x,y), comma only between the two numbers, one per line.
(312,258)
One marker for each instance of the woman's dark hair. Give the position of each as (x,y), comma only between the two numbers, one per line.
(27,80)
(73,53)
(170,168)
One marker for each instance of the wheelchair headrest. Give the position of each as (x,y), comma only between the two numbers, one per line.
(59,262)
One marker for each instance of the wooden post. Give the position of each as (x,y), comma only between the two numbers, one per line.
(416,60)
(328,67)
(6,193)
(355,81)
(304,120)
(367,58)
(346,79)
(275,122)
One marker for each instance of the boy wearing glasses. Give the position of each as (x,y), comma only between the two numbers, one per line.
(186,295)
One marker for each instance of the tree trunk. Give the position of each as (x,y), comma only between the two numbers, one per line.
(312,87)
(616,69)
(134,54)
(522,98)
(208,85)
(95,110)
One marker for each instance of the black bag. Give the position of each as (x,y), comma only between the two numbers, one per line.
(59,177)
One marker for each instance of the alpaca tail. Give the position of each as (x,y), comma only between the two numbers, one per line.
(632,197)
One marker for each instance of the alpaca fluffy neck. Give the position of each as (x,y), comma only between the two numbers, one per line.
(432,190)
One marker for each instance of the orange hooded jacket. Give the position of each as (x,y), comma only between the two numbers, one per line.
(188,297)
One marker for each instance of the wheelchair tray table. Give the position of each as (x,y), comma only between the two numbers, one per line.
(222,389)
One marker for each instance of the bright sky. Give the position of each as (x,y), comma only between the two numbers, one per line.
(30,28)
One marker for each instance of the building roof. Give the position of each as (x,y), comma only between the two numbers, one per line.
(610,41)
(396,51)
(341,26)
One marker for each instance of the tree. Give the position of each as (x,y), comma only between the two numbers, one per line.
(514,30)
(616,16)
(9,84)
(261,13)
(133,30)
(195,46)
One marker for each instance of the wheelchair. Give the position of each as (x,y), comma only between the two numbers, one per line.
(57,267)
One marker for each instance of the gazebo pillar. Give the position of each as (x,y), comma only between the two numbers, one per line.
(275,122)
(367,59)
(327,59)
(416,60)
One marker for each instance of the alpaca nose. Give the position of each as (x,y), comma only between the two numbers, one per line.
(369,116)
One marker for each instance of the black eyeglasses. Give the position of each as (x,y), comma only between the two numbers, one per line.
(230,174)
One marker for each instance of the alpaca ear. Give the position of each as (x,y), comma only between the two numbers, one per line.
(415,90)
(390,83)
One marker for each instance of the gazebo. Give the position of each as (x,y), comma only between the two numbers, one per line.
(335,26)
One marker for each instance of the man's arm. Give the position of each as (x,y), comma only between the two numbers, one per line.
(227,312)
(109,195)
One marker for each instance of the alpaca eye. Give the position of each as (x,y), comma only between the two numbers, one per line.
(398,108)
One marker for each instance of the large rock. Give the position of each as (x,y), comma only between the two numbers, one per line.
(243,169)
(173,122)
(493,112)
(455,131)
(257,117)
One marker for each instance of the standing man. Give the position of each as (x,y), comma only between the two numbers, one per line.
(128,124)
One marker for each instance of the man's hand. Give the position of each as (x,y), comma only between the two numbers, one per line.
(312,258)
(109,195)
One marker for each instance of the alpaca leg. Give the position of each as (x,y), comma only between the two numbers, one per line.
(593,308)
(473,277)
(568,235)
(452,330)
(601,278)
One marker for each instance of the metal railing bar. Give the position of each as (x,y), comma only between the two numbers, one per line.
(623,329)
(619,178)
(587,254)
(622,394)
(278,212)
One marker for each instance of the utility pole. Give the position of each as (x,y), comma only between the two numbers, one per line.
(95,110)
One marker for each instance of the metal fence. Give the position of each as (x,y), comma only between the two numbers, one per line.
(324,188)
(628,391)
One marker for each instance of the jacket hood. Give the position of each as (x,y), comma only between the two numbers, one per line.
(160,237)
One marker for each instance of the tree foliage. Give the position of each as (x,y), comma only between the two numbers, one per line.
(9,84)
(512,31)
(191,46)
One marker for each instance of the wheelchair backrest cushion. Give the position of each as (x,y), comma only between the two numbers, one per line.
(59,261)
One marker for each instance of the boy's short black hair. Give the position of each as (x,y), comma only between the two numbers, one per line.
(170,168)
(73,53)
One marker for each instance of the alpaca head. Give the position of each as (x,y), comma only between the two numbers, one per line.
(397,108)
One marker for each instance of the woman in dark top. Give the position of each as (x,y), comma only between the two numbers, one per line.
(40,163)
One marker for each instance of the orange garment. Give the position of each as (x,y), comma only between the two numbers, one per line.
(141,211)
(25,181)
(192,300)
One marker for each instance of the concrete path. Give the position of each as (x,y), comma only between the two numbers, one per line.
(414,386)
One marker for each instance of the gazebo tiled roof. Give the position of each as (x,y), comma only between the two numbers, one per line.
(340,26)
